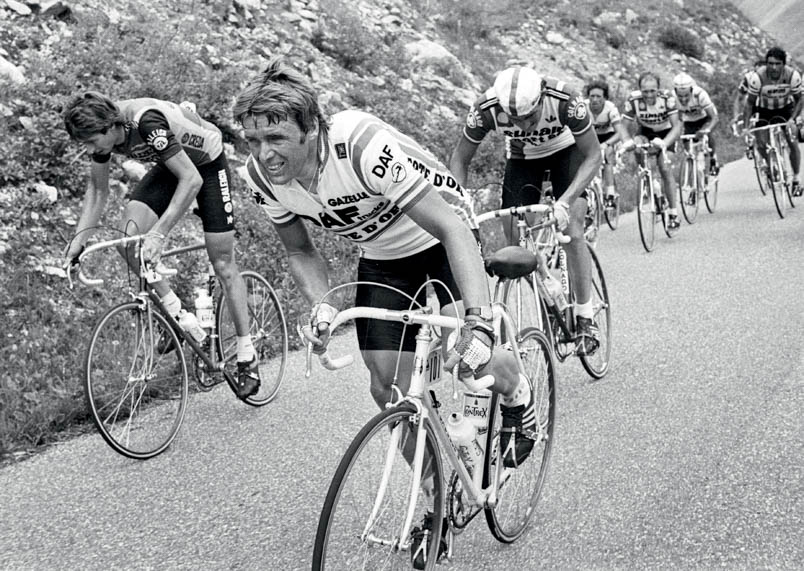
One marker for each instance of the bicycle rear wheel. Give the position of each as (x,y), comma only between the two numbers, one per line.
(613,214)
(688,191)
(597,364)
(778,184)
(137,396)
(269,333)
(520,488)
(646,214)
(524,304)
(710,195)
(366,503)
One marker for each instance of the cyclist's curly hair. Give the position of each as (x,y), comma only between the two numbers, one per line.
(597,84)
(648,75)
(778,53)
(281,93)
(91,113)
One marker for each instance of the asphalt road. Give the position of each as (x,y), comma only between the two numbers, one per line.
(689,454)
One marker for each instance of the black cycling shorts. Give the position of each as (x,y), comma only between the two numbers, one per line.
(767,116)
(406,274)
(215,206)
(603,137)
(562,165)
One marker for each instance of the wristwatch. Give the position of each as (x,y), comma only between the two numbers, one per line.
(483,313)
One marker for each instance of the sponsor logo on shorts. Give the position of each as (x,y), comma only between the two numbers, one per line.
(223,182)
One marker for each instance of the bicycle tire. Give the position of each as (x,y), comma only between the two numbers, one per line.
(269,333)
(613,214)
(136,396)
(777,182)
(525,306)
(688,192)
(762,176)
(597,365)
(366,457)
(710,195)
(646,214)
(521,488)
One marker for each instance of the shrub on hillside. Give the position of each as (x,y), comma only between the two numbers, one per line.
(680,39)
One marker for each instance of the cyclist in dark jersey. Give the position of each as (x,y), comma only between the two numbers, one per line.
(190,165)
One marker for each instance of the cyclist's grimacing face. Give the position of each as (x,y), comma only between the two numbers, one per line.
(683,95)
(101,143)
(529,121)
(774,67)
(596,100)
(649,88)
(281,148)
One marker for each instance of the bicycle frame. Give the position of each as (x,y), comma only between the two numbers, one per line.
(418,396)
(691,147)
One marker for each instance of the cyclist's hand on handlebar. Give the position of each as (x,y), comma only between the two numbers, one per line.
(317,331)
(628,145)
(659,143)
(71,253)
(561,210)
(152,246)
(473,348)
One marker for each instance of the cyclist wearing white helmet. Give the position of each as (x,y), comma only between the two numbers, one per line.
(698,113)
(547,126)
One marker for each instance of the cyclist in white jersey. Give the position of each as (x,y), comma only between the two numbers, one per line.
(609,129)
(698,114)
(774,94)
(547,126)
(655,115)
(360,178)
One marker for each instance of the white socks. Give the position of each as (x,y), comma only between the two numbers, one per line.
(584,310)
(245,349)
(521,396)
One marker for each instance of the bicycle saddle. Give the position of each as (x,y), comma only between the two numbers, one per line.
(511,262)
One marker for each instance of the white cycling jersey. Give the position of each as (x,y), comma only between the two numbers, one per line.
(695,107)
(372,174)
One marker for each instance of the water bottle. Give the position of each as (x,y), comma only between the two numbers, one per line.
(476,411)
(189,322)
(464,436)
(203,308)
(699,159)
(555,290)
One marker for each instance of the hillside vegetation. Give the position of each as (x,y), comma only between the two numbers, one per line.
(416,63)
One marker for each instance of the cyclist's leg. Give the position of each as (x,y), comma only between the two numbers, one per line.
(148,202)
(518,173)
(565,164)
(608,168)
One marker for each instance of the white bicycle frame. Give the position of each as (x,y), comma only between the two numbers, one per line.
(427,356)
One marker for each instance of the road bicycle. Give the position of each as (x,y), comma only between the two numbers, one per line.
(695,182)
(776,171)
(135,379)
(543,296)
(403,467)
(653,205)
(752,155)
(597,208)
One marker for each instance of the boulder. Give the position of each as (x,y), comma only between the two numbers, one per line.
(555,38)
(8,69)
(46,191)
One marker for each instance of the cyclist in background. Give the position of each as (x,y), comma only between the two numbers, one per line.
(698,113)
(547,126)
(190,165)
(655,115)
(739,97)
(774,93)
(609,129)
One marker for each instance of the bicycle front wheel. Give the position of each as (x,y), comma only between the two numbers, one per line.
(367,501)
(519,488)
(778,184)
(761,172)
(269,333)
(646,214)
(597,364)
(524,304)
(613,214)
(136,395)
(688,190)
(710,196)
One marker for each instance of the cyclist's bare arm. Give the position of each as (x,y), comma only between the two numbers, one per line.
(306,265)
(748,109)
(94,204)
(675,130)
(190,182)
(711,118)
(461,157)
(589,146)
(434,215)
